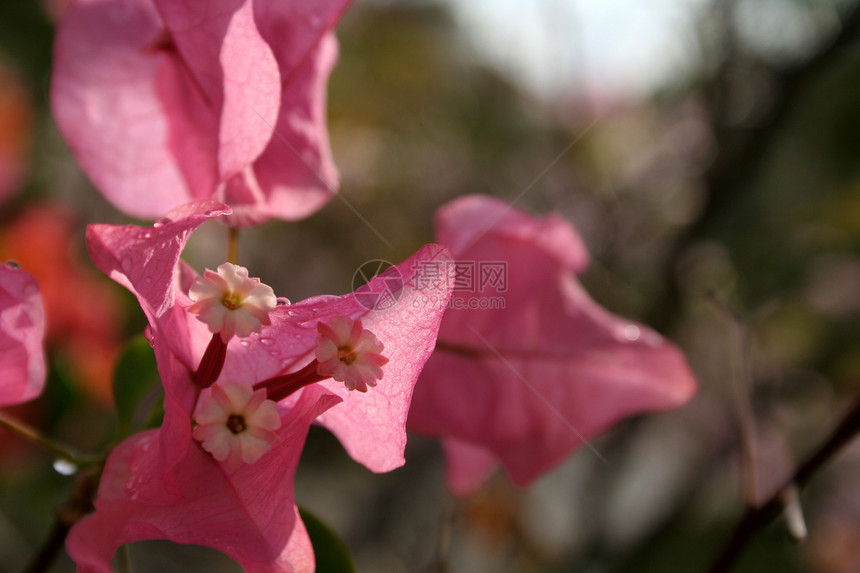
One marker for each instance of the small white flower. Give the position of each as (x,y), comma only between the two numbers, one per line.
(349,353)
(235,423)
(230,302)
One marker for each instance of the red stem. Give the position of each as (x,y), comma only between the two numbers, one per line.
(280,387)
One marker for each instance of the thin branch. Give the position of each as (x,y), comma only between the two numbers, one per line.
(741,391)
(757,517)
(746,418)
(443,543)
(57,450)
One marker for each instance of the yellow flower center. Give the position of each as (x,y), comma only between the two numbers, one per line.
(232,300)
(346,355)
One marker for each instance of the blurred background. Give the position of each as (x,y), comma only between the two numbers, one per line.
(707,151)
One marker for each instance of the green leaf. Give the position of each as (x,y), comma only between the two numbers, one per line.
(330,552)
(136,386)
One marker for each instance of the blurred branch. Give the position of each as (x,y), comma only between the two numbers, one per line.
(746,419)
(742,390)
(757,517)
(80,504)
(81,501)
(742,149)
(443,544)
(59,451)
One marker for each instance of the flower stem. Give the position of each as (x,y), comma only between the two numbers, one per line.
(756,517)
(33,435)
(233,246)
(280,387)
(741,390)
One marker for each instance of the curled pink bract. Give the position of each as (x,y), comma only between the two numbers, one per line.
(164,102)
(523,382)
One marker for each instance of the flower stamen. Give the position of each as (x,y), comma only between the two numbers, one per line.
(235,423)
(349,353)
(346,355)
(230,302)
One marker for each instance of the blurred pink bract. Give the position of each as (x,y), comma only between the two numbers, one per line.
(22,336)
(524,385)
(164,102)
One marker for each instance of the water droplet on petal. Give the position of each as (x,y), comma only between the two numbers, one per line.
(163,221)
(244,343)
(13,264)
(207,213)
(132,488)
(150,335)
(267,341)
(632,333)
(65,467)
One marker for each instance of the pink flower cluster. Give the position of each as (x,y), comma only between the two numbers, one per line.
(237,439)
(192,111)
